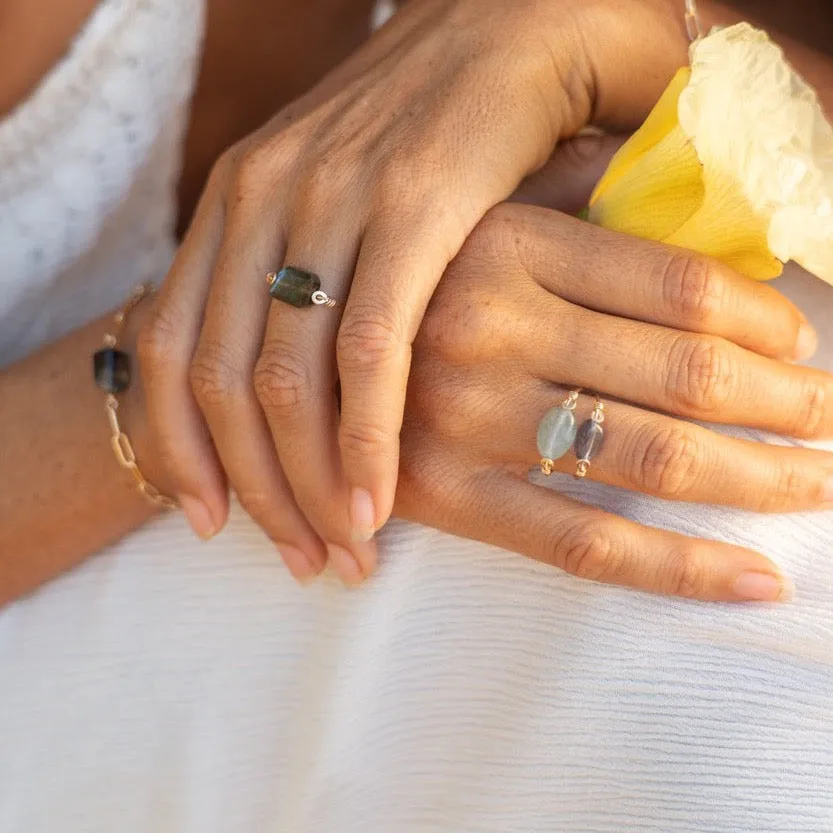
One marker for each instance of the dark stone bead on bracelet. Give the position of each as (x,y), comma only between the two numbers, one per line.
(111,369)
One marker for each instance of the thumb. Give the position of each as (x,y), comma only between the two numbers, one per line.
(568,178)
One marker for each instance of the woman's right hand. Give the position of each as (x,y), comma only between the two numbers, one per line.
(538,303)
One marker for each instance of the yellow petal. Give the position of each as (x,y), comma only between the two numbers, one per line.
(660,122)
(727,229)
(656,194)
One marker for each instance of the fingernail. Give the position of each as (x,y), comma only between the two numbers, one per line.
(348,569)
(362,516)
(807,342)
(827,496)
(762,587)
(299,564)
(198,517)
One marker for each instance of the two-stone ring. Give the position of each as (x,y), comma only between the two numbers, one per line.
(558,432)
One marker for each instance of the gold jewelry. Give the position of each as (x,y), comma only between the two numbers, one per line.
(589,438)
(111,369)
(557,432)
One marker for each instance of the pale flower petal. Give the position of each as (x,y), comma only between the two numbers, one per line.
(752,117)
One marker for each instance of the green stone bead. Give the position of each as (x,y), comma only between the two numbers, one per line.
(556,433)
(295,286)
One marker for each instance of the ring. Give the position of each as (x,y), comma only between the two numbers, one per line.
(298,288)
(557,432)
(589,438)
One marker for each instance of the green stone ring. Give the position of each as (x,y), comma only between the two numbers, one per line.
(298,288)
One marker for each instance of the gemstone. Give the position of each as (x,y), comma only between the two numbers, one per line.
(556,433)
(294,286)
(111,370)
(589,440)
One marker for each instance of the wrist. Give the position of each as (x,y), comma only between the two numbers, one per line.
(633,49)
(132,404)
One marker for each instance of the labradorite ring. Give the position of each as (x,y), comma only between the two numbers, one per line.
(298,288)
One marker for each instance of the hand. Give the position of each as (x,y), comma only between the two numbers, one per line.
(373,182)
(538,303)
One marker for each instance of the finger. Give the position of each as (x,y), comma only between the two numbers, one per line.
(165,347)
(374,354)
(295,379)
(701,377)
(498,508)
(648,452)
(595,545)
(638,279)
(566,182)
(222,378)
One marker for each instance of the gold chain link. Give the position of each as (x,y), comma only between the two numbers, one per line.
(119,441)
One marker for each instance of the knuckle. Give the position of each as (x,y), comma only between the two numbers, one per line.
(253,172)
(358,439)
(225,167)
(366,339)
(693,288)
(282,380)
(685,574)
(588,552)
(668,464)
(460,329)
(703,378)
(582,152)
(215,378)
(791,487)
(498,232)
(812,419)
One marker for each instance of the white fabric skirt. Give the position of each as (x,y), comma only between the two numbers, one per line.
(179,687)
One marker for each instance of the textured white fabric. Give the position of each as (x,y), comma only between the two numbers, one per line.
(176,687)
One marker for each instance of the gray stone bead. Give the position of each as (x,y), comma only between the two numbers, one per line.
(295,286)
(589,440)
(111,369)
(556,433)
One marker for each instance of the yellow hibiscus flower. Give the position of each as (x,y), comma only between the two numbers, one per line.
(735,162)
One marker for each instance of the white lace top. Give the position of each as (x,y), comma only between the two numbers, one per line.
(88,167)
(176,687)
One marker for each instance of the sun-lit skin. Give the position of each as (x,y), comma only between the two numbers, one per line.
(51,514)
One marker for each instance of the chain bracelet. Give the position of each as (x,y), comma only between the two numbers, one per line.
(119,441)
